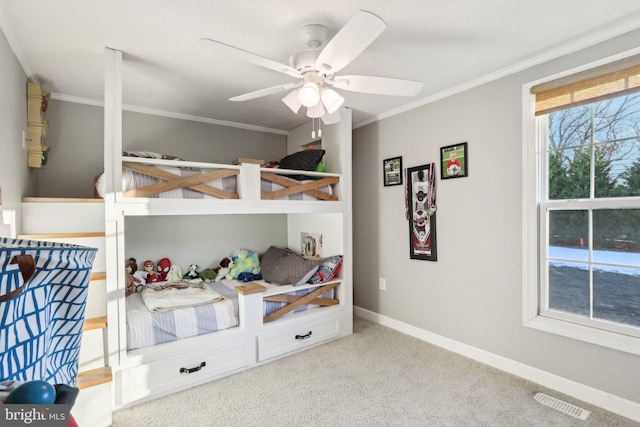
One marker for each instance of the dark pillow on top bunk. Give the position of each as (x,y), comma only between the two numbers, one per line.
(286,268)
(306,160)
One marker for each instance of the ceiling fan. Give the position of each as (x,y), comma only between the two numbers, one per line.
(316,69)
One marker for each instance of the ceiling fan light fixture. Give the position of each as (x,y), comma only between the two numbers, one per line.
(316,111)
(292,101)
(331,100)
(309,94)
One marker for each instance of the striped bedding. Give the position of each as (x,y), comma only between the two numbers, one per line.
(133,180)
(145,328)
(271,306)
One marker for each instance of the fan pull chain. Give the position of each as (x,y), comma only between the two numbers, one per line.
(313,127)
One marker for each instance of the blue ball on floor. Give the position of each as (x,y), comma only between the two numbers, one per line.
(33,392)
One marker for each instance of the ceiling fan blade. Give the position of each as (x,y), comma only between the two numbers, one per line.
(253,58)
(331,118)
(350,41)
(378,85)
(264,92)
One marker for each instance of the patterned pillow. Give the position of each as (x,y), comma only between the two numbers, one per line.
(327,270)
(306,160)
(286,268)
(244,262)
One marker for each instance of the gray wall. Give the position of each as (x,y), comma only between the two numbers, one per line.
(77,155)
(473,293)
(16,179)
(204,240)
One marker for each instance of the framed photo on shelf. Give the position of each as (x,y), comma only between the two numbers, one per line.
(454,161)
(392,171)
(421,212)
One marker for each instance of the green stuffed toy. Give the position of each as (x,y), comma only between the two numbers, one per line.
(208,275)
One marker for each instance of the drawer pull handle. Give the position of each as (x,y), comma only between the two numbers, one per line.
(303,337)
(192,370)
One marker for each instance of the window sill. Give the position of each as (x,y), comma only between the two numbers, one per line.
(616,341)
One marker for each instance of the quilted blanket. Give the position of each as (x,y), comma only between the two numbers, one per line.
(172,295)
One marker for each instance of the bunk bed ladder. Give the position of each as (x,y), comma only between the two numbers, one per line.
(81,221)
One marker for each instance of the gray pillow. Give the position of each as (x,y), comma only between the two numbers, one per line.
(286,268)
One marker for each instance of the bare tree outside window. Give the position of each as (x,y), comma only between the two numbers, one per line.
(593,153)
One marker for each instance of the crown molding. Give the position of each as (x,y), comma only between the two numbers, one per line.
(169,114)
(578,43)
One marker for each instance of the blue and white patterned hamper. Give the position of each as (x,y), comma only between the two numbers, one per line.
(41,318)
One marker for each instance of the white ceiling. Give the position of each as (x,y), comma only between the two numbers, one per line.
(445,44)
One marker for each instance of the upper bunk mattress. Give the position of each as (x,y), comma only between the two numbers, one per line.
(132,180)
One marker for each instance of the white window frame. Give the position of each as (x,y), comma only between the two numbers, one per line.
(534,242)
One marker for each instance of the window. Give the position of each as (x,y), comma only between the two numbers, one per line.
(582,206)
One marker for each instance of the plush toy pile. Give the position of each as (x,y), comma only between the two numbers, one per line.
(242,265)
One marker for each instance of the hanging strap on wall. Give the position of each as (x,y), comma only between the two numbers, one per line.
(431,194)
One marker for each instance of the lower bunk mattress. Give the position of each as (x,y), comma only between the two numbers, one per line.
(146,328)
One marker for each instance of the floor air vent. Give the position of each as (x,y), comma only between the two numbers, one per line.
(562,406)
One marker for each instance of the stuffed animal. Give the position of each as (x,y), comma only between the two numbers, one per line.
(174,274)
(151,275)
(207,274)
(138,274)
(222,272)
(162,267)
(132,283)
(192,273)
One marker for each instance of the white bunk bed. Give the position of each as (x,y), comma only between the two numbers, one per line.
(150,372)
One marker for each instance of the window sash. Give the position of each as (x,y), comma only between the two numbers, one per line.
(533,186)
(545,206)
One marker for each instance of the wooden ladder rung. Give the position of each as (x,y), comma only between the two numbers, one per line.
(61,235)
(61,200)
(99,275)
(94,377)
(95,323)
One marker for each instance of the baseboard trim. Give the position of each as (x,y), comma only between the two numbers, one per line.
(604,400)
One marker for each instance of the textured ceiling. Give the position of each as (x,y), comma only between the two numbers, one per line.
(445,44)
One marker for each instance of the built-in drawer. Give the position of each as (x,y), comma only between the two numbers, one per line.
(190,368)
(276,341)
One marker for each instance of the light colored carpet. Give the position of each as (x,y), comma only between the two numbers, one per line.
(376,377)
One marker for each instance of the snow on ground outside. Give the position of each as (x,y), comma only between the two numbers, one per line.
(631,259)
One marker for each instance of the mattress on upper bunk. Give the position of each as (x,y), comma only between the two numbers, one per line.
(132,180)
(173,181)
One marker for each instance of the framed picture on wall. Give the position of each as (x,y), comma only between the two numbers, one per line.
(392,171)
(421,212)
(454,161)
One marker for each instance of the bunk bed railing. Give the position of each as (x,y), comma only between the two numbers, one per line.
(251,181)
(169,181)
(172,181)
